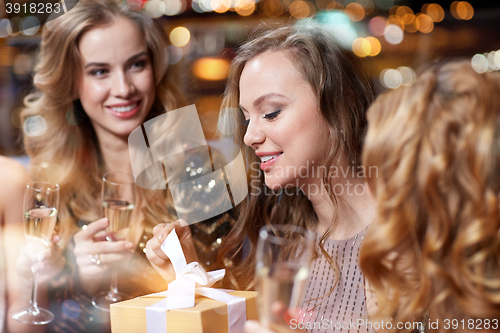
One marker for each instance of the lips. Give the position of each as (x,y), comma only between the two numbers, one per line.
(124,110)
(267,160)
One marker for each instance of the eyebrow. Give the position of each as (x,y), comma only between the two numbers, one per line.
(100,64)
(262,98)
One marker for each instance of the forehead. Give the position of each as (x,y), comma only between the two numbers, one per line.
(271,72)
(112,42)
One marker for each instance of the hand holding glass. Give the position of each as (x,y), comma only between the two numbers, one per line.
(41,200)
(118,199)
(284,253)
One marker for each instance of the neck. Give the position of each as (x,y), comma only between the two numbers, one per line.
(114,150)
(355,209)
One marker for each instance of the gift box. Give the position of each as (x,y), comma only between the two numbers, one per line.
(207,315)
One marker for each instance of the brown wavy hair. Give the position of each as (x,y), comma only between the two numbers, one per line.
(434,246)
(343,91)
(69,148)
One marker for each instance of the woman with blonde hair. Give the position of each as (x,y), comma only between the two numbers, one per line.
(295,102)
(432,254)
(102,72)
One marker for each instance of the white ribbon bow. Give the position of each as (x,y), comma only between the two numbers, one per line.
(191,279)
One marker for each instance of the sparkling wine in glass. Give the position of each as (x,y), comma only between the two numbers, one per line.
(118,200)
(41,200)
(284,253)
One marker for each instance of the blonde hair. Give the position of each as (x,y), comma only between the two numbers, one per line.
(343,91)
(434,245)
(70,143)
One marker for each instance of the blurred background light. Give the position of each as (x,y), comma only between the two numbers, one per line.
(339,25)
(479,63)
(4,28)
(408,76)
(462,10)
(391,78)
(354,11)
(376,25)
(30,25)
(434,11)
(211,69)
(393,34)
(180,36)
(35,126)
(155,8)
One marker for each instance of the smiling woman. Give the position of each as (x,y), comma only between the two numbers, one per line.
(102,72)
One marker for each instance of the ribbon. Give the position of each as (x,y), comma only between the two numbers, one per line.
(191,279)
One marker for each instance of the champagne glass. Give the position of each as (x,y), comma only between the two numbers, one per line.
(41,200)
(284,253)
(118,199)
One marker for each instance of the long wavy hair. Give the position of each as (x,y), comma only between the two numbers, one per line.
(434,246)
(343,91)
(69,151)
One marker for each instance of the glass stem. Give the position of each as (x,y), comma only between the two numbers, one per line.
(34,292)
(113,288)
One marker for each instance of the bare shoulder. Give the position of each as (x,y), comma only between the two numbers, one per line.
(12,172)
(13,178)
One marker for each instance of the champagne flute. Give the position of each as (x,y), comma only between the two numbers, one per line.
(284,253)
(41,200)
(118,199)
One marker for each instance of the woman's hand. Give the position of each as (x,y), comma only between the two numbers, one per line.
(47,263)
(157,257)
(95,255)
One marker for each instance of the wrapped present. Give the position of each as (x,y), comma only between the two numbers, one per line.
(189,305)
(207,316)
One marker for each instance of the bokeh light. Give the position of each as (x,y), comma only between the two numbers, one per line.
(492,66)
(174,54)
(23,64)
(393,34)
(479,63)
(497,58)
(462,10)
(180,36)
(361,47)
(408,76)
(299,9)
(221,6)
(245,8)
(30,25)
(35,126)
(396,20)
(425,23)
(391,78)
(174,7)
(375,46)
(377,25)
(211,69)
(273,8)
(434,11)
(154,8)
(4,28)
(401,11)
(354,11)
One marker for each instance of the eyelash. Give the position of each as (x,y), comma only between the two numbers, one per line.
(272,115)
(101,71)
(269,116)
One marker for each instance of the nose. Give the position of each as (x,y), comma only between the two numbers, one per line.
(122,85)
(254,135)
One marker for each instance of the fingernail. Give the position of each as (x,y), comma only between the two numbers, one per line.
(162,236)
(129,245)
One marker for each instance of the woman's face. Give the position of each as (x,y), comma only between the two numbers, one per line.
(116,86)
(285,127)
